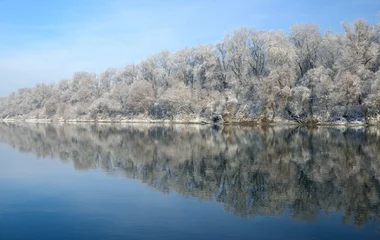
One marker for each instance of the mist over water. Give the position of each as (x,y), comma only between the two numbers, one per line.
(189,181)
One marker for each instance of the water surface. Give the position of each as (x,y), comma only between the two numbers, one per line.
(188,182)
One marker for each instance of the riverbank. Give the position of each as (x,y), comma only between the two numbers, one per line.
(245,122)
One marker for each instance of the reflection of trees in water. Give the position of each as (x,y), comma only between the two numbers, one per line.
(253,171)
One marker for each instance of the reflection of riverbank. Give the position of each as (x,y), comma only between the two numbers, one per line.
(252,171)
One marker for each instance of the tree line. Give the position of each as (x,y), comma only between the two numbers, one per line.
(251,75)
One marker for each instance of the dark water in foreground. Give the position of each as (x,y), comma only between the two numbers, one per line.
(188,182)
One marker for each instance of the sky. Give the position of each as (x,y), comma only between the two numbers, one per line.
(44,41)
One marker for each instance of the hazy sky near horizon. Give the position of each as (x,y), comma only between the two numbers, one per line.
(46,41)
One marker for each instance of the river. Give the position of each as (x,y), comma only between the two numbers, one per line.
(141,181)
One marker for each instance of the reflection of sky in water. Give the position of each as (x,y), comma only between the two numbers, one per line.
(48,199)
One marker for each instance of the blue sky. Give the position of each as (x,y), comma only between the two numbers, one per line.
(46,41)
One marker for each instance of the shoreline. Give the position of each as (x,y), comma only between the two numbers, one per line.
(193,122)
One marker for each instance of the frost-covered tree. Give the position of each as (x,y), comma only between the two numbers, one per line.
(141,96)
(306,39)
(250,76)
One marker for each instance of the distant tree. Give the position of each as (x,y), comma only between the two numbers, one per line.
(141,96)
(307,39)
(178,99)
(250,75)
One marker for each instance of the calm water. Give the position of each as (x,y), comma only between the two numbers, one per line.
(188,182)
